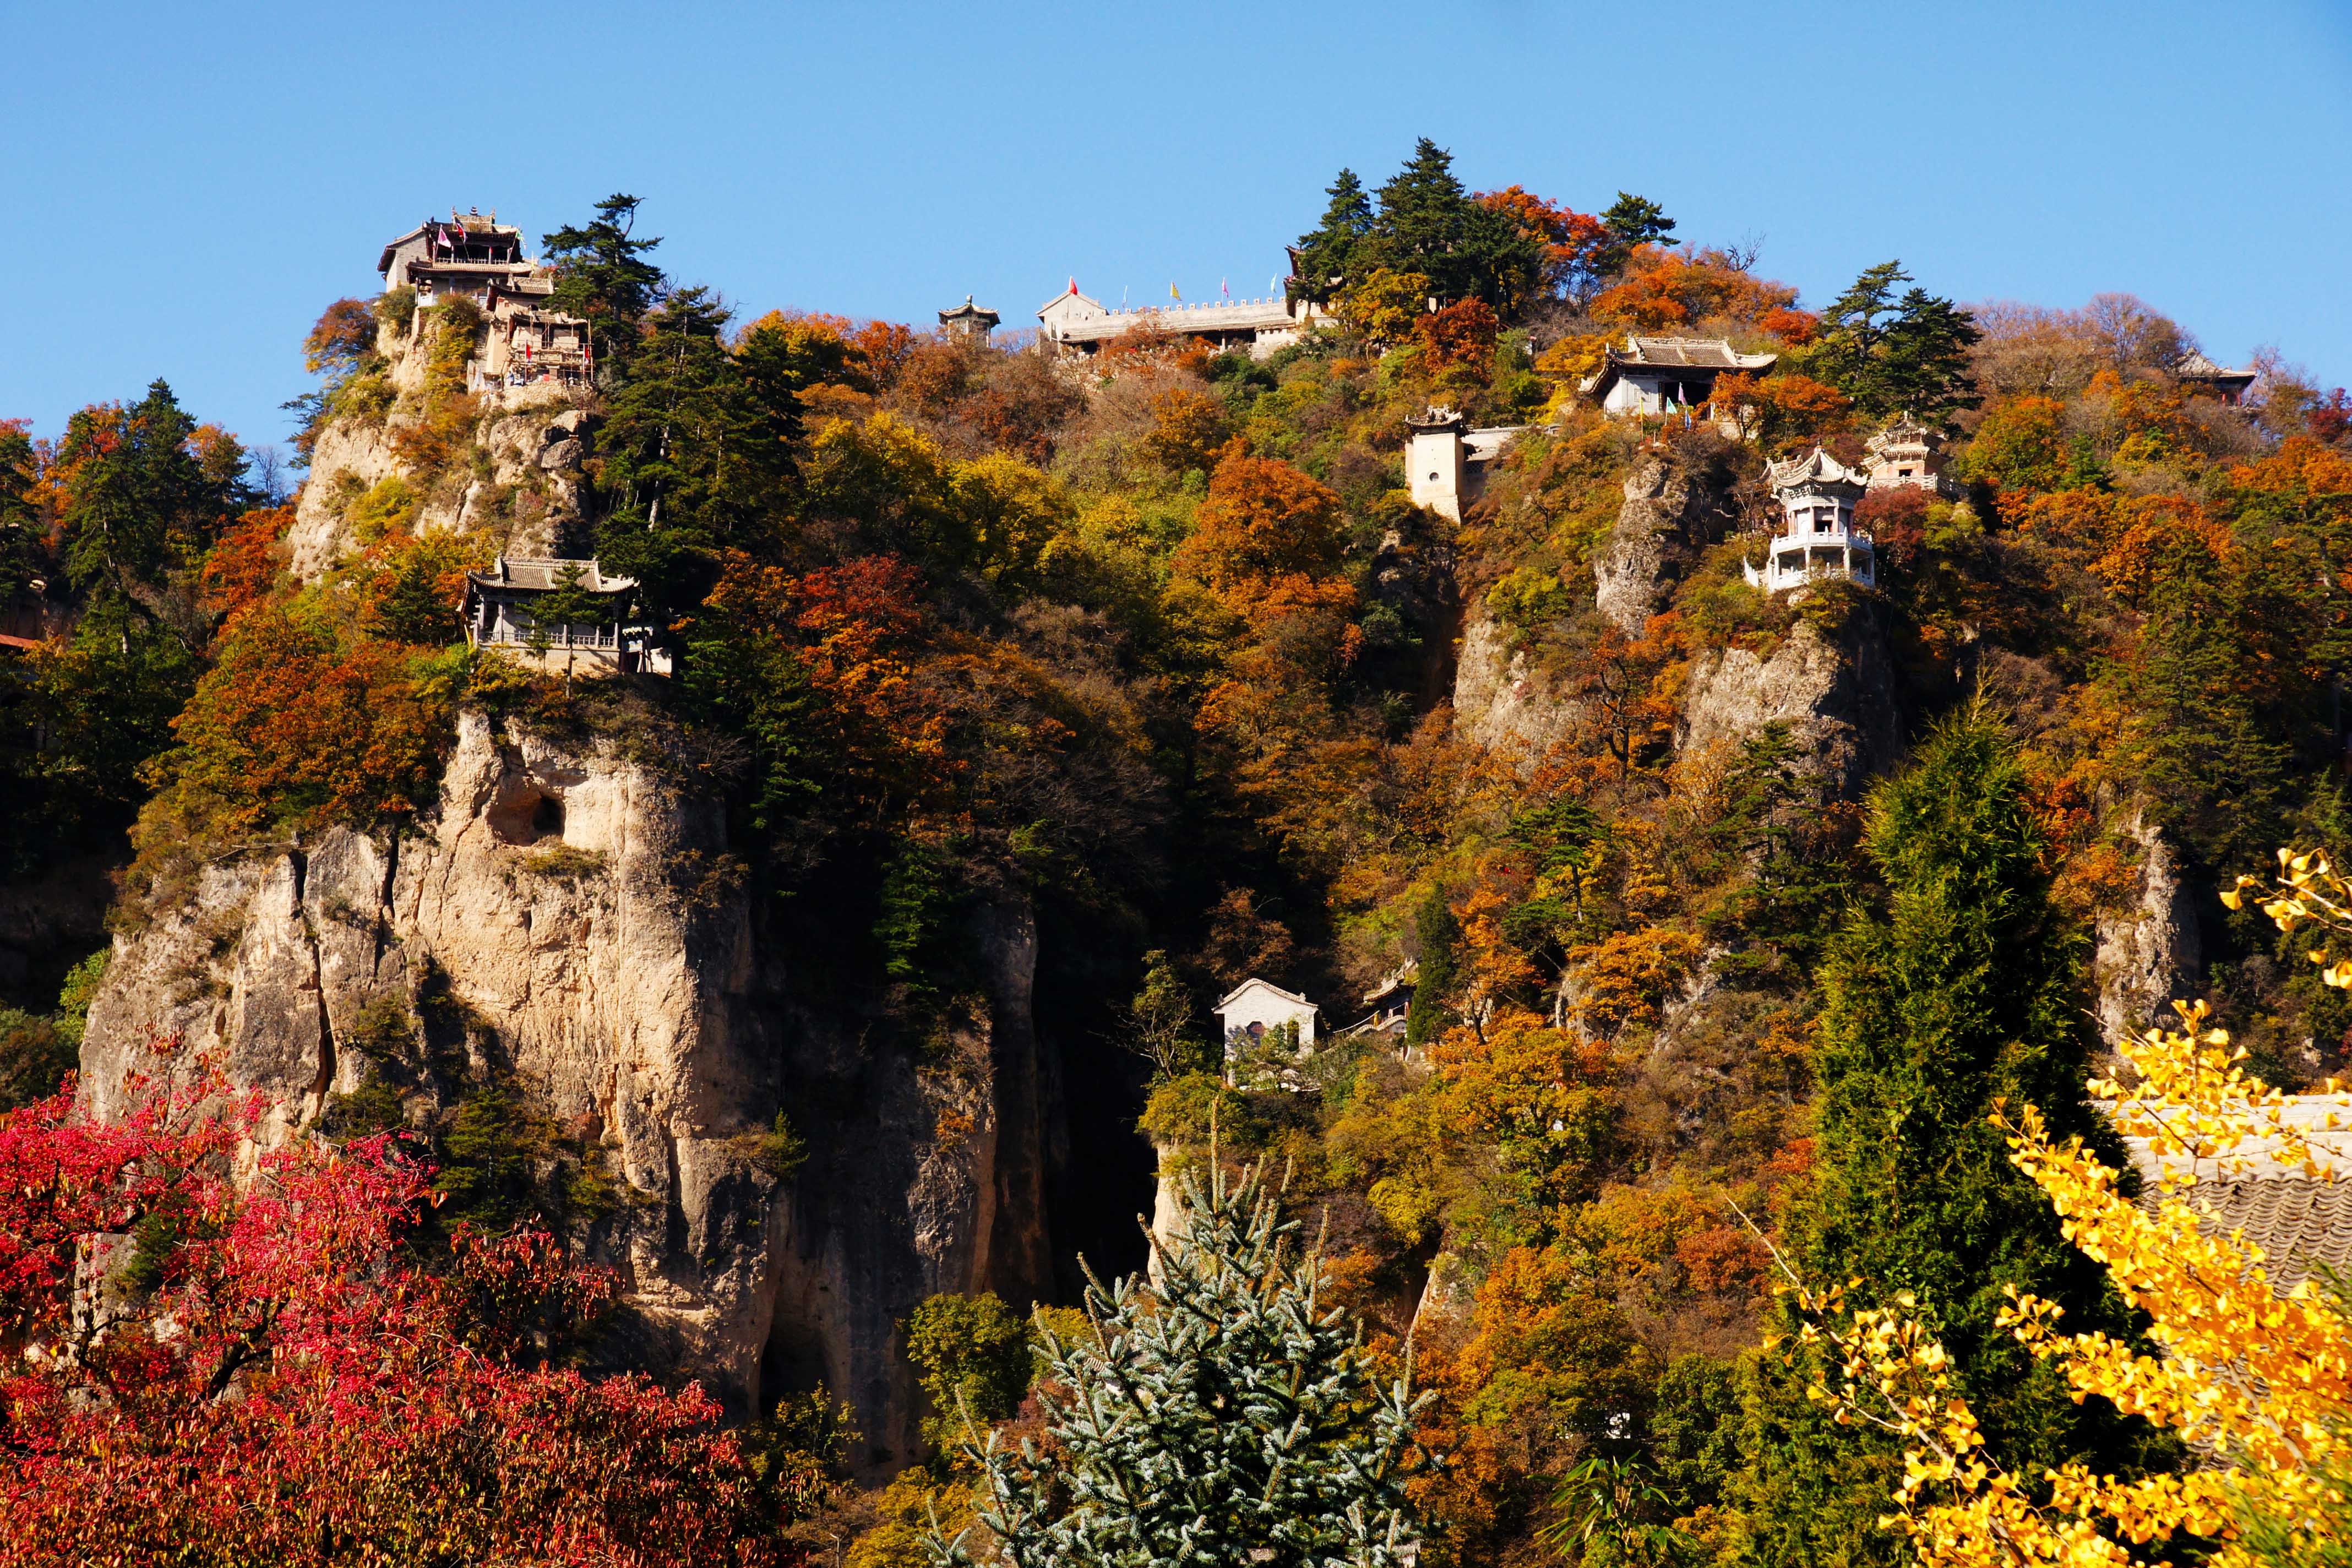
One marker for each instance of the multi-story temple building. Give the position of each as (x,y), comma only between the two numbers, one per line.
(525,343)
(1907,455)
(1818,539)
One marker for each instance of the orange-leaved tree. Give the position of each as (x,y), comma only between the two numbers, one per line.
(301,724)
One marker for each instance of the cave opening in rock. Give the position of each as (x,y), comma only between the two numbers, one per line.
(547,817)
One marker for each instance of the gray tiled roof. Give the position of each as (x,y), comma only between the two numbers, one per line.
(2297,1219)
(509,573)
(1698,353)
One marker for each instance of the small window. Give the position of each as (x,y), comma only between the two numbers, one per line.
(1902,473)
(1433,479)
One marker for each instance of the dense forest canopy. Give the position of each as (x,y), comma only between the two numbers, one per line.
(1158,643)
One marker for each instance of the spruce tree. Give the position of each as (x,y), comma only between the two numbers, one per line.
(1965,990)
(1220,1415)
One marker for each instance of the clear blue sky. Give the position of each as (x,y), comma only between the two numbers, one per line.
(193,182)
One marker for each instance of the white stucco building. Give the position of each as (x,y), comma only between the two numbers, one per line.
(1257,1005)
(1073,322)
(1650,375)
(1446,462)
(1818,539)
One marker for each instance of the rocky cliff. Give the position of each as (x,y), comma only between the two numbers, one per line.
(516,473)
(2149,952)
(1659,529)
(569,922)
(1835,692)
(1503,702)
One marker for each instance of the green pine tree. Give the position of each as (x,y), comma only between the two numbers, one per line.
(1894,354)
(601,276)
(1966,991)
(1440,951)
(1630,221)
(1323,257)
(1220,1415)
(1428,223)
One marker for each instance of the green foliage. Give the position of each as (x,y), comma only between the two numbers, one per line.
(1894,355)
(1965,993)
(144,494)
(1221,1413)
(602,275)
(1323,257)
(389,507)
(915,897)
(1427,226)
(1159,1020)
(781,1150)
(373,1107)
(974,1356)
(1631,221)
(1441,947)
(1528,598)
(487,1158)
(36,1053)
(79,989)
(79,723)
(397,309)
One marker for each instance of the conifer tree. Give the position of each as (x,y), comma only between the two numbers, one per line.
(1963,991)
(1221,1415)
(601,276)
(1321,258)
(1429,226)
(1631,221)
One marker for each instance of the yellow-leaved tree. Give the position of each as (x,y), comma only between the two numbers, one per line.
(2256,1379)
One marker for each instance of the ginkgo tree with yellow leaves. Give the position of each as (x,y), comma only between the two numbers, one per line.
(2255,1378)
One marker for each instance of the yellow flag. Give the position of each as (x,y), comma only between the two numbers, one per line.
(1171,292)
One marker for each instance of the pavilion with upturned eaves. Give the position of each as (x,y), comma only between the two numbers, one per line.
(1818,541)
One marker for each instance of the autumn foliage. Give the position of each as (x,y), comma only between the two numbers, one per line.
(300,724)
(266,1371)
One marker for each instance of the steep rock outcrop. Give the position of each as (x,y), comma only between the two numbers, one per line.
(1836,692)
(579,917)
(2150,951)
(1501,701)
(526,442)
(1659,529)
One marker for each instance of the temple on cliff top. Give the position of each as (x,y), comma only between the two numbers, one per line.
(1074,324)
(525,343)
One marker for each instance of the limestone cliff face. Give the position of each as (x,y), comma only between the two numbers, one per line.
(1836,693)
(569,917)
(521,481)
(1658,529)
(2149,952)
(1501,701)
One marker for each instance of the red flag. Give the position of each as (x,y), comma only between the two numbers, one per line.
(1074,285)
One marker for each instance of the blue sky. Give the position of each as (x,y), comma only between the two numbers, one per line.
(195,181)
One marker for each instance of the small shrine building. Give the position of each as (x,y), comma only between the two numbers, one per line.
(1818,539)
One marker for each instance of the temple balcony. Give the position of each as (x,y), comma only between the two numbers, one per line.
(1797,562)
